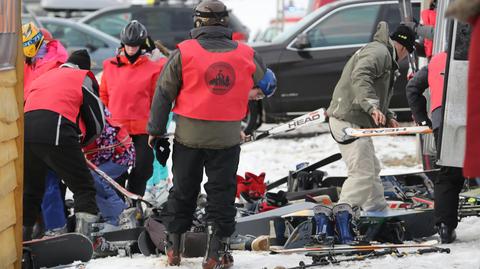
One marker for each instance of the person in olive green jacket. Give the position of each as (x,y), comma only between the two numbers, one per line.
(360,100)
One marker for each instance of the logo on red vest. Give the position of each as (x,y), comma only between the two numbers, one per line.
(220,78)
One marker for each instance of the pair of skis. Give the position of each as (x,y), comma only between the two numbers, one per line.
(318,116)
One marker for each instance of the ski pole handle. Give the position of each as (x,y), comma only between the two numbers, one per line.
(433,250)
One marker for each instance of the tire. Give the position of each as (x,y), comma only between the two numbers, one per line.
(253,120)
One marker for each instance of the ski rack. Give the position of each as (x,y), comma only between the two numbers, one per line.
(122,190)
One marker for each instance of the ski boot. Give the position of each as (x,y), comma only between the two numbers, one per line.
(218,254)
(323,216)
(56,231)
(172,248)
(343,221)
(447,235)
(83,223)
(250,242)
(102,248)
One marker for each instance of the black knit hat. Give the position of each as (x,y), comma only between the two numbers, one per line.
(80,58)
(405,36)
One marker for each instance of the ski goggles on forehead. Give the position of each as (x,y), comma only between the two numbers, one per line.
(34,40)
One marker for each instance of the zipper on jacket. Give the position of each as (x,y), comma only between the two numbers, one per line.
(57,137)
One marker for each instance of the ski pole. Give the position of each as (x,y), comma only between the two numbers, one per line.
(117,186)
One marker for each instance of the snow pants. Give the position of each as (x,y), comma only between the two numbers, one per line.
(447,187)
(363,187)
(143,168)
(221,169)
(69,164)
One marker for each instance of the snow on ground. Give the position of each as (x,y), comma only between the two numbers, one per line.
(276,157)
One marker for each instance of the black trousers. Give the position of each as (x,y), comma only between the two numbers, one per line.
(68,162)
(448,185)
(221,169)
(143,169)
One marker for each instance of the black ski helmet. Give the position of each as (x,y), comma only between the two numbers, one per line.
(134,34)
(210,13)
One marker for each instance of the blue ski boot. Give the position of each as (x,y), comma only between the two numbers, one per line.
(323,216)
(343,221)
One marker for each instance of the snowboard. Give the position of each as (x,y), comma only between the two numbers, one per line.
(55,251)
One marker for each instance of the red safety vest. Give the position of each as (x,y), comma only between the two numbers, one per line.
(215,84)
(429,18)
(436,76)
(128,91)
(59,90)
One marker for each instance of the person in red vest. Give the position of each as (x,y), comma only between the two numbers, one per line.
(449,181)
(62,113)
(429,17)
(209,78)
(127,89)
(469,11)
(42,53)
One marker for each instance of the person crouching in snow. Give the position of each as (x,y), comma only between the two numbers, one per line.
(62,113)
(360,100)
(127,89)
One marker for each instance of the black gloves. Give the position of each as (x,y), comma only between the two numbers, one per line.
(149,44)
(426,122)
(162,150)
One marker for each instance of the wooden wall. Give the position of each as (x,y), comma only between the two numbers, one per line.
(11,159)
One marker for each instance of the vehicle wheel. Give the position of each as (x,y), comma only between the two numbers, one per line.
(253,119)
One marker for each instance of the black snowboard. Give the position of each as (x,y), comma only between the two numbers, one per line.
(54,251)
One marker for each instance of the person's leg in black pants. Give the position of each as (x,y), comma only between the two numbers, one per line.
(448,186)
(187,177)
(69,164)
(221,169)
(35,171)
(143,169)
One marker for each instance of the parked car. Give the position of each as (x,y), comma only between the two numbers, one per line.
(309,57)
(28,16)
(74,36)
(171,23)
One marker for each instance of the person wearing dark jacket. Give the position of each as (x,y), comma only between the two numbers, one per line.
(449,180)
(62,113)
(209,78)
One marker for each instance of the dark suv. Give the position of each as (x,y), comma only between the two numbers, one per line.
(309,57)
(171,23)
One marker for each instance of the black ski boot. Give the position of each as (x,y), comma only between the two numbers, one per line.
(447,235)
(102,248)
(218,254)
(172,248)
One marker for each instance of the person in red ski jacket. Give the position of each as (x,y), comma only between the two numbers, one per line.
(429,17)
(127,89)
(449,180)
(469,11)
(41,53)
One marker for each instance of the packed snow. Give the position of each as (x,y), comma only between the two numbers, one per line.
(276,156)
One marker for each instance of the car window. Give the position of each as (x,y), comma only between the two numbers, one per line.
(165,21)
(111,23)
(71,37)
(349,26)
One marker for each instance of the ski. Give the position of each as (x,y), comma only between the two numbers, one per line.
(317,116)
(426,244)
(117,186)
(333,158)
(352,132)
(329,258)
